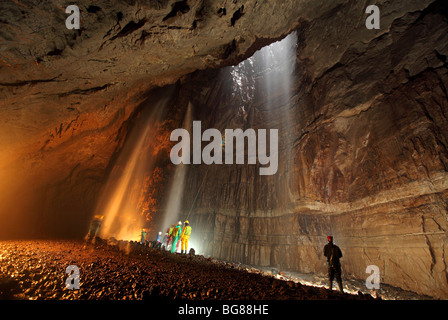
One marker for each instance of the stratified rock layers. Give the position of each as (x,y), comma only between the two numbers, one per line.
(365,159)
(362,126)
(66,95)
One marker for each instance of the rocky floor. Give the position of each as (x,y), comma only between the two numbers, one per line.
(128,271)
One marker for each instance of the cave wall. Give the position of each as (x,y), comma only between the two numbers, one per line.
(366,142)
(65,95)
(369,156)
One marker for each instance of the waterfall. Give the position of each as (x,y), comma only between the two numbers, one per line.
(268,72)
(173,210)
(119,202)
(264,82)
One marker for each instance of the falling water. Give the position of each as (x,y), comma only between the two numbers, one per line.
(119,203)
(278,61)
(270,71)
(265,80)
(173,210)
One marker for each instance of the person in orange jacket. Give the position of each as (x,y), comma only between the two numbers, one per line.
(185,237)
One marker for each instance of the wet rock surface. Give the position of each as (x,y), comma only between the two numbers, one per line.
(63,90)
(129,271)
(364,158)
(368,112)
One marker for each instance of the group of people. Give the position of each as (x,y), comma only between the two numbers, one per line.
(176,238)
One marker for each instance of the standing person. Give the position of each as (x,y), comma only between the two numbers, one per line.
(170,236)
(165,241)
(179,235)
(185,236)
(333,254)
(159,240)
(176,236)
(94,226)
(146,243)
(143,236)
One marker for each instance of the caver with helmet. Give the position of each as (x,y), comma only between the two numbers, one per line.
(177,231)
(185,237)
(333,253)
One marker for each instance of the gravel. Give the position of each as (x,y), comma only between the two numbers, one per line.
(120,270)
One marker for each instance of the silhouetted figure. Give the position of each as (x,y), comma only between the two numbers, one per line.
(158,242)
(94,227)
(165,241)
(333,254)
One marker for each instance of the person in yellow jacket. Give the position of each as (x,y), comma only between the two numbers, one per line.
(185,236)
